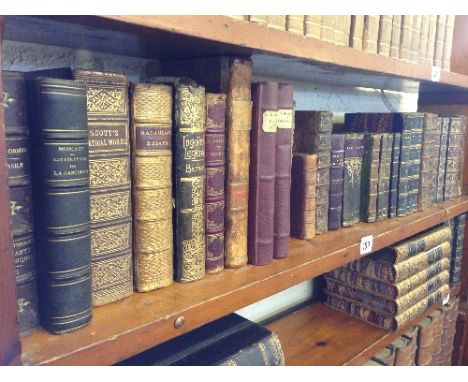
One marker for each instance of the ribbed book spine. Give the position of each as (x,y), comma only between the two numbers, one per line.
(327,32)
(151,127)
(109,165)
(445,126)
(396,33)
(394,176)
(283,154)
(353,152)
(457,248)
(439,40)
(357,31)
(370,177)
(295,24)
(259,19)
(423,39)
(277,22)
(415,38)
(371,33)
(403,171)
(313,24)
(448,40)
(335,205)
(385,35)
(415,161)
(452,187)
(429,153)
(262,172)
(21,208)
(303,187)
(406,34)
(238,124)
(59,132)
(385,163)
(431,40)
(215,146)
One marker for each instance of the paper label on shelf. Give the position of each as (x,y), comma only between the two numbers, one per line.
(446,299)
(366,244)
(435,74)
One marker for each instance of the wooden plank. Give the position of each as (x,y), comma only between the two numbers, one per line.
(143,320)
(320,336)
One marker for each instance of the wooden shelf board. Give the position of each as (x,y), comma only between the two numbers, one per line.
(143,320)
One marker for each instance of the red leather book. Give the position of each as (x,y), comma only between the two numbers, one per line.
(262,172)
(283,171)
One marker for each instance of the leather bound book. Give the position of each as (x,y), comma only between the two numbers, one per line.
(404,349)
(335,204)
(353,152)
(405,38)
(423,39)
(303,187)
(152,185)
(312,135)
(189,131)
(21,208)
(386,356)
(313,25)
(60,170)
(448,40)
(371,33)
(385,163)
(396,33)
(415,38)
(429,155)
(434,154)
(259,19)
(385,35)
(262,172)
(369,177)
(277,22)
(445,126)
(453,166)
(458,236)
(425,342)
(295,24)
(342,30)
(238,124)
(109,167)
(356,32)
(215,146)
(283,154)
(439,40)
(402,124)
(368,123)
(328,29)
(394,176)
(431,40)
(414,167)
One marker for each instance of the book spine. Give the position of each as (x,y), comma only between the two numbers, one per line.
(327,32)
(406,34)
(214,171)
(109,166)
(357,31)
(403,172)
(385,163)
(313,24)
(396,33)
(457,248)
(295,24)
(371,33)
(453,164)
(277,22)
(385,35)
(353,152)
(448,40)
(152,185)
(429,152)
(394,176)
(342,26)
(59,132)
(262,172)
(423,39)
(259,19)
(190,109)
(445,125)
(439,40)
(21,208)
(370,177)
(415,38)
(303,187)
(238,124)
(415,161)
(335,204)
(431,40)
(283,171)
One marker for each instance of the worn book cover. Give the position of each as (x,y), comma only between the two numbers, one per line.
(385,163)
(444,131)
(335,204)
(353,152)
(370,177)
(394,176)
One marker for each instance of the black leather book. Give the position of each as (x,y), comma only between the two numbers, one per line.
(401,124)
(445,125)
(335,204)
(60,170)
(19,182)
(353,152)
(414,167)
(370,177)
(228,341)
(385,164)
(394,175)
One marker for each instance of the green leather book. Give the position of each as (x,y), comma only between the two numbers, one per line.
(370,177)
(353,152)
(385,163)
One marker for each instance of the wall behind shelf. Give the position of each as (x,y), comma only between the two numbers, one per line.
(23,56)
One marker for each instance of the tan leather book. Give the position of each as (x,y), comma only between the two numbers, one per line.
(328,29)
(259,19)
(439,40)
(425,342)
(295,24)
(152,185)
(313,25)
(386,356)
(404,351)
(396,33)
(356,31)
(371,33)
(385,35)
(405,38)
(415,38)
(431,40)
(423,38)
(448,40)
(240,17)
(342,30)
(277,22)
(109,167)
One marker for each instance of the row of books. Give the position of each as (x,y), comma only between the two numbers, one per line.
(392,286)
(426,39)
(429,343)
(381,166)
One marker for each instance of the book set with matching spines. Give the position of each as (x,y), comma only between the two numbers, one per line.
(458,234)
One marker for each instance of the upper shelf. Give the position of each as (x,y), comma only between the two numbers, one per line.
(168,37)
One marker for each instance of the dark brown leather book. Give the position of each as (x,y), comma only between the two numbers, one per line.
(370,177)
(312,135)
(109,167)
(21,206)
(353,152)
(383,188)
(215,146)
(152,185)
(262,172)
(303,187)
(282,194)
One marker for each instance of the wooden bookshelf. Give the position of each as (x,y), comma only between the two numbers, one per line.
(143,320)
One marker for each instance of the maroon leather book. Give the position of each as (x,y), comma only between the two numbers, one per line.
(262,172)
(214,191)
(283,171)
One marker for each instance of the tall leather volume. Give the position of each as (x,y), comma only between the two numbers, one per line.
(453,166)
(190,110)
(151,127)
(369,177)
(394,175)
(383,188)
(444,131)
(439,40)
(303,187)
(215,146)
(353,152)
(109,167)
(415,38)
(415,159)
(448,40)
(282,193)
(356,32)
(335,204)
(385,35)
(21,208)
(262,172)
(401,123)
(431,39)
(405,38)
(313,25)
(371,33)
(60,169)
(395,40)
(295,24)
(423,39)
(327,32)
(312,135)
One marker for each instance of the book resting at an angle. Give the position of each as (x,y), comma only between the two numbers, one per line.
(60,170)
(228,341)
(109,171)
(151,126)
